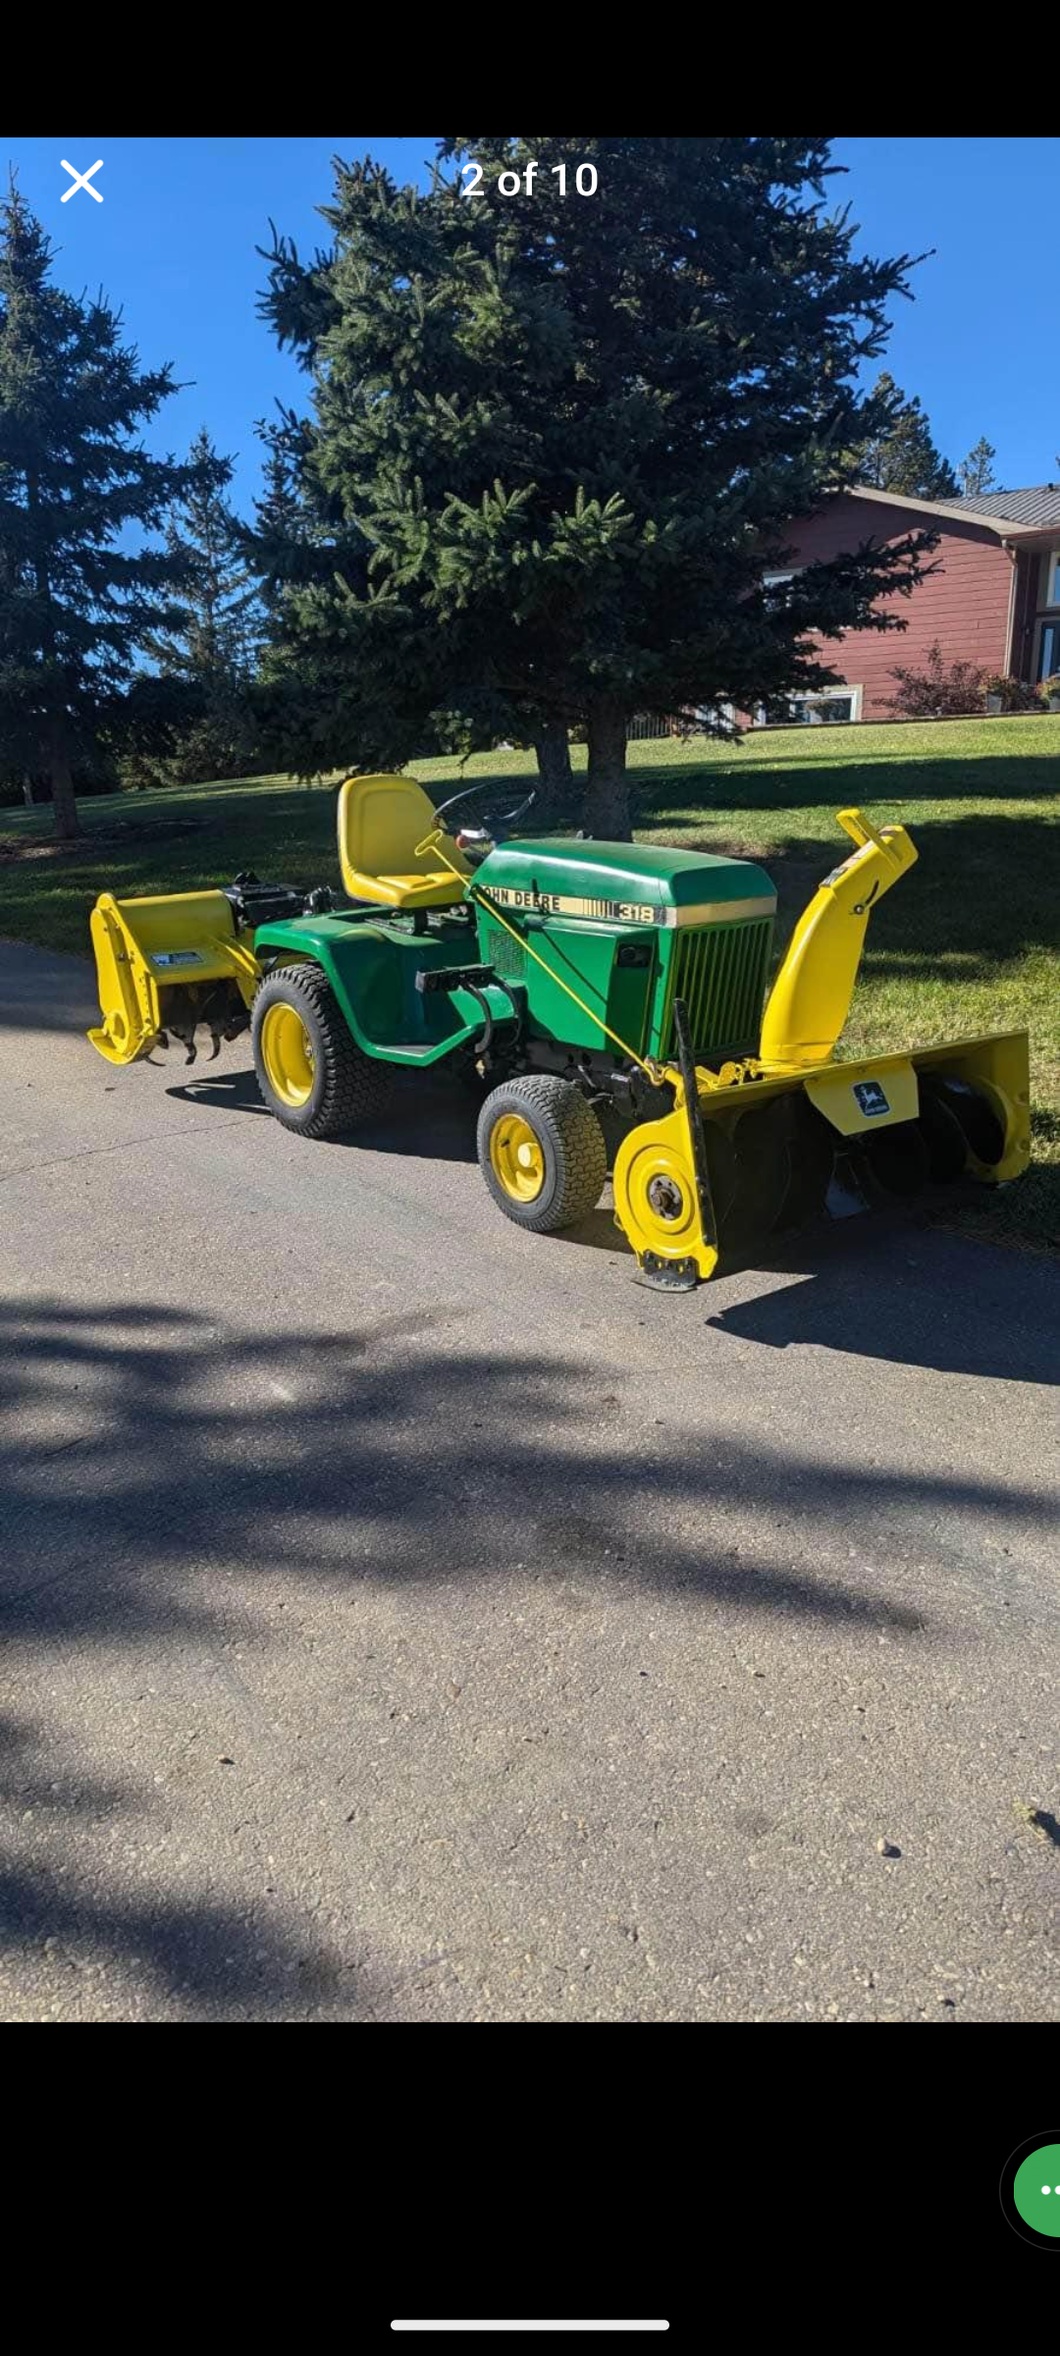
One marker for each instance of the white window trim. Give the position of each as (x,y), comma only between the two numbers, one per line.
(815,695)
(1052,577)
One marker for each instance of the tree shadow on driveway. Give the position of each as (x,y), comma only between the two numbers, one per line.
(434,1448)
(169,1480)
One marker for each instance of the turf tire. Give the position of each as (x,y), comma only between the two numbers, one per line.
(349,1087)
(572,1143)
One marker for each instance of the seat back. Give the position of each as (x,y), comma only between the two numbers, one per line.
(381,820)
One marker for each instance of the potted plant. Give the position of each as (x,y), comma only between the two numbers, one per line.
(1000,691)
(1050,692)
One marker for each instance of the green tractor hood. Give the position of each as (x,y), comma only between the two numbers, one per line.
(624,883)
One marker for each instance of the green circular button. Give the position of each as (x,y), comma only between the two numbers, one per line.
(1036,2190)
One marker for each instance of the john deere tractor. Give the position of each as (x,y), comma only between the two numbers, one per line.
(588,990)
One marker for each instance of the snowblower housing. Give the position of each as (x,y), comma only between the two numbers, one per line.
(632,929)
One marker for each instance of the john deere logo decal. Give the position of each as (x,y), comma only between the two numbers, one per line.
(870,1097)
(570,904)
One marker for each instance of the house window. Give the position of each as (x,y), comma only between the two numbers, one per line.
(1048,650)
(826,706)
(1052,577)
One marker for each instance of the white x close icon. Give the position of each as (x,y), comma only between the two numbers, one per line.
(81,180)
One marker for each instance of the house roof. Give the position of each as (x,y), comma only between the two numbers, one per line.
(1009,513)
(1038,506)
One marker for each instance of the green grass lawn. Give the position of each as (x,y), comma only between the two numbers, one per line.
(968,942)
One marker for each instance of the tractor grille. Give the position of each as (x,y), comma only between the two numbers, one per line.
(506,956)
(721,975)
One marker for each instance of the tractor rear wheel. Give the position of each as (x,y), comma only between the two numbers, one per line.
(311,1072)
(541,1151)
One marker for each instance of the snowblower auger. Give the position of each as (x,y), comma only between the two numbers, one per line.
(569,979)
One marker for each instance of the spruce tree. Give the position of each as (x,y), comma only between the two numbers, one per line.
(281,525)
(345,678)
(208,647)
(77,596)
(902,457)
(572,431)
(977,470)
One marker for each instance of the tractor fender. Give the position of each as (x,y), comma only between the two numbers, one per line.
(352,963)
(358,961)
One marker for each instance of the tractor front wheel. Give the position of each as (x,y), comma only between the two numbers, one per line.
(541,1152)
(311,1072)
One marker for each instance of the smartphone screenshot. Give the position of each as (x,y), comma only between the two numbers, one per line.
(530,1170)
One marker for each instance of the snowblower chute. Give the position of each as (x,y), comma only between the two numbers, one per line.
(569,979)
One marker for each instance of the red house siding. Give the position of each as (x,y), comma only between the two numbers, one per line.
(964,604)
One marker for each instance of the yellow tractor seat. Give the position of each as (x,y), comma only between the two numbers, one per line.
(381,820)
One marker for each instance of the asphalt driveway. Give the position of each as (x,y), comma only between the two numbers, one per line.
(408,1619)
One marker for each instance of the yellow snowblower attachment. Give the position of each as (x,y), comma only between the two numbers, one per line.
(168,964)
(757,1148)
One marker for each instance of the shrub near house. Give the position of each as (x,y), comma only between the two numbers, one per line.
(941,691)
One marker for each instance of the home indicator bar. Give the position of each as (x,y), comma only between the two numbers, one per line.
(399,2325)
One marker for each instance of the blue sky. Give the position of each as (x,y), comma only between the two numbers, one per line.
(173,245)
(981,343)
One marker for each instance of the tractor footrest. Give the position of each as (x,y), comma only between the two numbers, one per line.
(405,1051)
(455,977)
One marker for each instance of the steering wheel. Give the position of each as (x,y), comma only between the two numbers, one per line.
(494,826)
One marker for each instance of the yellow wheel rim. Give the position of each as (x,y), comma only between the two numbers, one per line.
(517,1159)
(287,1054)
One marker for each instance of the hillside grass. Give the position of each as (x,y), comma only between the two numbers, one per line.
(968,942)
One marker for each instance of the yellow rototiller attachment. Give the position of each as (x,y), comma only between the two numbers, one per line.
(579,984)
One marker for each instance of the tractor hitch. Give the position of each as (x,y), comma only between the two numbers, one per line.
(253,902)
